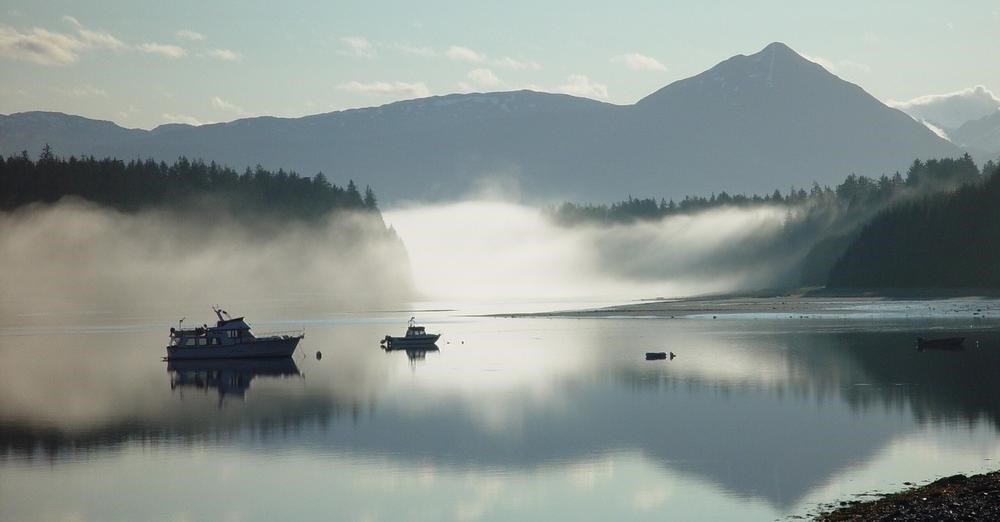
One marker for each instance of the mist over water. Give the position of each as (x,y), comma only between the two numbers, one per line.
(74,256)
(478,249)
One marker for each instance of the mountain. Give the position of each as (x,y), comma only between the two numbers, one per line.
(751,123)
(67,134)
(981,137)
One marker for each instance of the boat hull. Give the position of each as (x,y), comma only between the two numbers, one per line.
(258,348)
(412,341)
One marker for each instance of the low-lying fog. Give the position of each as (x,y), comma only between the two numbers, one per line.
(77,257)
(480,250)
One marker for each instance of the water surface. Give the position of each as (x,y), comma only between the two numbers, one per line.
(511,419)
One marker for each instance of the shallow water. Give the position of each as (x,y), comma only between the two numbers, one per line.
(512,419)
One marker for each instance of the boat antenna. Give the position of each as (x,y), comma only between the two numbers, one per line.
(412,321)
(180,323)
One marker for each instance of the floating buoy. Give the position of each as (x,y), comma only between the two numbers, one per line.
(319,355)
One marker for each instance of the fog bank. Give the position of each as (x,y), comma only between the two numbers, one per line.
(77,257)
(476,250)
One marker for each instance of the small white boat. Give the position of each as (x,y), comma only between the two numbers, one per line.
(229,338)
(416,336)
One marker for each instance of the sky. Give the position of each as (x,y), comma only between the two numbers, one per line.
(141,64)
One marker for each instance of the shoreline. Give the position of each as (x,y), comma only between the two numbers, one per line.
(958,497)
(798,304)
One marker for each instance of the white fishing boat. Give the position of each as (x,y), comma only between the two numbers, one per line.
(416,336)
(229,338)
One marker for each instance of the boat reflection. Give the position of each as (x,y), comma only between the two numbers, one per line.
(413,353)
(230,377)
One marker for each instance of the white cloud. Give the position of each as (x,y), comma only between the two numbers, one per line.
(580,85)
(193,36)
(225,54)
(464,54)
(170,51)
(357,46)
(838,66)
(639,62)
(412,90)
(95,39)
(182,118)
(40,46)
(483,77)
(826,64)
(950,110)
(226,106)
(46,47)
(515,64)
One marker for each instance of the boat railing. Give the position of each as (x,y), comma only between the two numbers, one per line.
(280,333)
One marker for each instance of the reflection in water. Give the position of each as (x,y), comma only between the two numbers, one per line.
(765,411)
(228,376)
(413,353)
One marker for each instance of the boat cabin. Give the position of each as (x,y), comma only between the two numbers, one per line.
(226,331)
(415,330)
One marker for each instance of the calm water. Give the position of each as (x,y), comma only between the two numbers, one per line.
(512,419)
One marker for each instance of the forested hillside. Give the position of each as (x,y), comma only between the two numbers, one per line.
(141,184)
(949,240)
(821,222)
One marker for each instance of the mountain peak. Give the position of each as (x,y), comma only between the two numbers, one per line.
(776,52)
(778,48)
(775,68)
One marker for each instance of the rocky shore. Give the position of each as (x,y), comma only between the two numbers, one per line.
(951,498)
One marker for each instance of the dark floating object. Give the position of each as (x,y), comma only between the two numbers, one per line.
(319,355)
(658,356)
(942,343)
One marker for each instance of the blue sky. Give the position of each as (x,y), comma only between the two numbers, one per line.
(141,64)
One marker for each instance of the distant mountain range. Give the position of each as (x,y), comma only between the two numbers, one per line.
(981,137)
(750,124)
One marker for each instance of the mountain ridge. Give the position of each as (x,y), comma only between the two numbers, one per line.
(750,123)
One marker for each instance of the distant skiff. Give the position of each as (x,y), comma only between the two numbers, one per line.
(229,338)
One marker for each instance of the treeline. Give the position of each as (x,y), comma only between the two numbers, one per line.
(945,240)
(853,193)
(822,223)
(141,184)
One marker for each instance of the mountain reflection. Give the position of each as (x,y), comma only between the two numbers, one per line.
(763,414)
(230,377)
